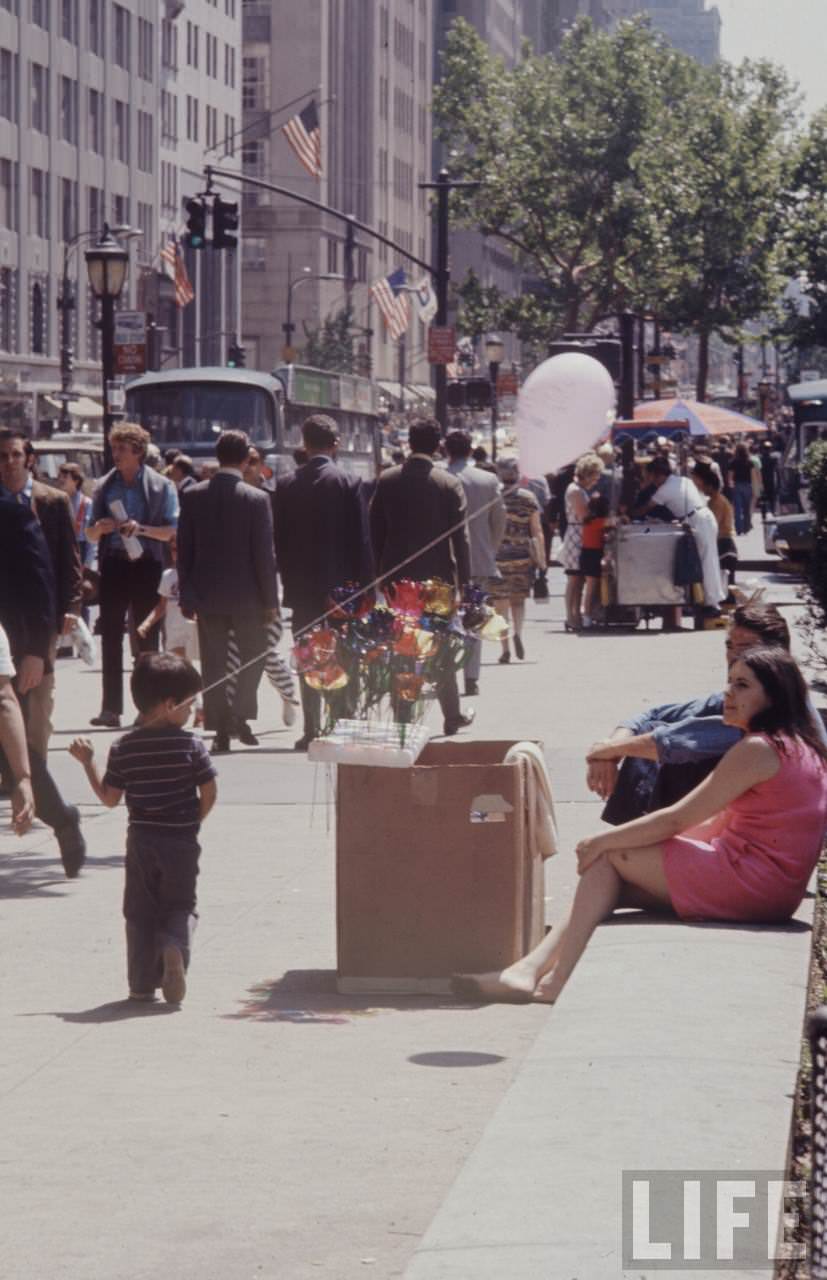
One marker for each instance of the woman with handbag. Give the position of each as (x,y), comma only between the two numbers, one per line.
(521,551)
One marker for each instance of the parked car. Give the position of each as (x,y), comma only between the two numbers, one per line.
(86,450)
(792,536)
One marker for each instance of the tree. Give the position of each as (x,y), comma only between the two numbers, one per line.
(623,175)
(805,245)
(557,146)
(330,346)
(731,152)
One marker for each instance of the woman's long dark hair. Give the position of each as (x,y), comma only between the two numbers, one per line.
(788,713)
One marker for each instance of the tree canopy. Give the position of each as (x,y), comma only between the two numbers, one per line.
(622,175)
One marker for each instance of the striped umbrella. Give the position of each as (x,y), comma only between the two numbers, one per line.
(704,419)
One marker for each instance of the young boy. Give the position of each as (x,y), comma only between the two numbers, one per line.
(168,779)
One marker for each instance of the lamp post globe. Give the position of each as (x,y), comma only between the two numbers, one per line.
(107,263)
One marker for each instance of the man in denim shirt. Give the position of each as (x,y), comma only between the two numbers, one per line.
(653,759)
(150,503)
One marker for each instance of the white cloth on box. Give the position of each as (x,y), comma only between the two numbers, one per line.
(686,502)
(179,632)
(542,825)
(6,664)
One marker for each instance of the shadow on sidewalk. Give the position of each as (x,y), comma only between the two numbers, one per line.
(39,876)
(309,997)
(632,915)
(113,1011)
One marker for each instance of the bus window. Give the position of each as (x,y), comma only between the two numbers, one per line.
(190,413)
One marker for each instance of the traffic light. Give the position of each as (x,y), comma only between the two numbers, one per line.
(196,223)
(236,356)
(67,367)
(224,221)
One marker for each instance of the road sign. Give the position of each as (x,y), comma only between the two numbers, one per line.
(442,343)
(508,384)
(130,342)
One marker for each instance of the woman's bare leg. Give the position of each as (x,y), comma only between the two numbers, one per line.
(574,590)
(622,876)
(517,614)
(503,608)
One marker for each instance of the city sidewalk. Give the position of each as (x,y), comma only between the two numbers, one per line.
(274,1129)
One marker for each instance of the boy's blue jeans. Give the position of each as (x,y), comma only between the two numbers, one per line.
(158,900)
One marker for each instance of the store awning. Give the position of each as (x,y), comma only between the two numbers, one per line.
(81,407)
(415,394)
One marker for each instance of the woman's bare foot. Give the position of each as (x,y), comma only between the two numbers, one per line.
(514,985)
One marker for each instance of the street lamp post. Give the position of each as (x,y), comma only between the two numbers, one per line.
(494,352)
(107,264)
(288,353)
(66,305)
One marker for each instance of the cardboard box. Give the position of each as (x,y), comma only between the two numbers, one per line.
(433,875)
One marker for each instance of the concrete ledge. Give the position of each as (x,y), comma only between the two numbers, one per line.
(667,1051)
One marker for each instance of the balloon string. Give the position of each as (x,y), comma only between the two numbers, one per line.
(362,590)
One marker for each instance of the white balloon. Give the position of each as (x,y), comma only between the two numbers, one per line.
(564,408)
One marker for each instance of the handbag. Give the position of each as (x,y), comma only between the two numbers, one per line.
(687,569)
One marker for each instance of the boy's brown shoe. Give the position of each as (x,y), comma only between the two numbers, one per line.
(174,982)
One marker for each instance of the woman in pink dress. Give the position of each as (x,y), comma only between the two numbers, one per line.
(741,846)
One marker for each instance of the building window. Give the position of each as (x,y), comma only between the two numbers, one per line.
(169,45)
(94,209)
(39,118)
(229,8)
(229,136)
(120,131)
(10,6)
(94,138)
(96,44)
(252,163)
(169,190)
(333,255)
(169,119)
(254,84)
(68,109)
(8,309)
(121,36)
(192,45)
(383,97)
(39,319)
(40,13)
(192,118)
(145,226)
(146,42)
(68,209)
(254,253)
(69,20)
(8,194)
(120,210)
(212,128)
(8,85)
(39,203)
(212,55)
(229,66)
(146,125)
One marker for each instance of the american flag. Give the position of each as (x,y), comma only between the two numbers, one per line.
(392,300)
(304,135)
(172,261)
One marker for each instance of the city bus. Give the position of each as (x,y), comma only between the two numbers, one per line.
(352,402)
(187,409)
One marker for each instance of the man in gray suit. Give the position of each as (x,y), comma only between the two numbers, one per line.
(485,530)
(415,505)
(227,579)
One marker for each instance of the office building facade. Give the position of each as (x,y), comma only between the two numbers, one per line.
(367,68)
(84,141)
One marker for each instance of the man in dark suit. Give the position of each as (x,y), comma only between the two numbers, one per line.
(321,541)
(52,510)
(413,505)
(27,613)
(227,579)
